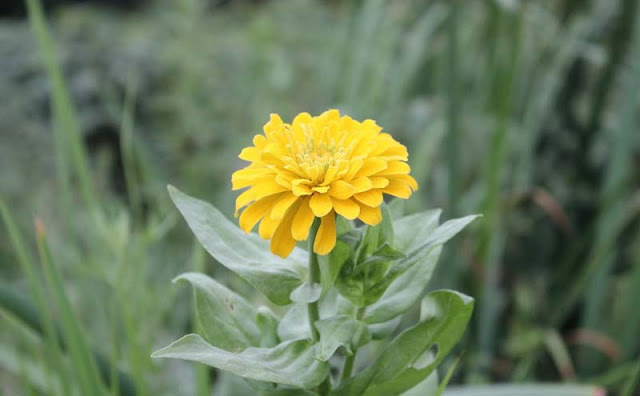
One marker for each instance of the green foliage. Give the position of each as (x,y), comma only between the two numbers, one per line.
(408,359)
(289,363)
(298,358)
(247,255)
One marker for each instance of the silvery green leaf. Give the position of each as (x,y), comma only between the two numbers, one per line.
(306,293)
(375,236)
(270,389)
(295,323)
(411,356)
(410,231)
(267,323)
(331,264)
(383,330)
(396,207)
(387,252)
(227,320)
(247,255)
(405,290)
(420,253)
(290,363)
(337,331)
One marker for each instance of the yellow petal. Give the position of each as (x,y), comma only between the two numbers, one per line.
(370,216)
(354,166)
(249,176)
(284,179)
(250,154)
(302,221)
(398,188)
(320,204)
(346,208)
(281,207)
(341,189)
(326,238)
(282,243)
(362,184)
(379,182)
(372,198)
(372,166)
(301,187)
(274,124)
(268,227)
(397,150)
(407,179)
(256,192)
(259,141)
(256,211)
(396,168)
(330,175)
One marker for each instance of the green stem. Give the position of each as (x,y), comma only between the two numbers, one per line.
(312,308)
(314,277)
(348,363)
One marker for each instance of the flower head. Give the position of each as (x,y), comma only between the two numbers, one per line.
(318,167)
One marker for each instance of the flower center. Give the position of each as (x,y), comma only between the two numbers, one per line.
(316,158)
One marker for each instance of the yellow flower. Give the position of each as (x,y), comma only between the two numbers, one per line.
(317,167)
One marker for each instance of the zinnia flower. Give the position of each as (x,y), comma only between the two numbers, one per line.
(318,167)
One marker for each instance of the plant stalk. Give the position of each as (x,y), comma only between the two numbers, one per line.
(348,363)
(312,308)
(314,277)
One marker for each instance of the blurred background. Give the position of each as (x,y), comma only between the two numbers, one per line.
(526,111)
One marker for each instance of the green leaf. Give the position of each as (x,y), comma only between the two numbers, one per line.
(408,359)
(410,231)
(267,323)
(247,255)
(332,263)
(405,290)
(383,330)
(340,331)
(290,363)
(386,252)
(295,323)
(227,320)
(420,253)
(397,208)
(376,236)
(268,389)
(306,293)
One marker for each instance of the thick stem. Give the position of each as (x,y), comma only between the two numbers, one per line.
(348,363)
(314,277)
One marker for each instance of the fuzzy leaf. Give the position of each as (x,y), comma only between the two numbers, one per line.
(290,363)
(295,323)
(227,320)
(410,231)
(405,290)
(409,358)
(247,255)
(419,253)
(267,323)
(306,293)
(340,331)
